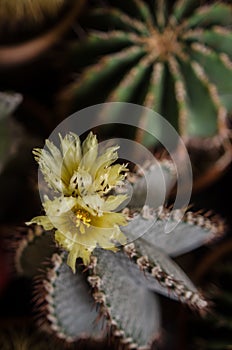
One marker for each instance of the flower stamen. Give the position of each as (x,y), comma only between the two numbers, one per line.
(82,217)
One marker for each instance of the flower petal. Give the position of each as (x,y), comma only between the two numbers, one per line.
(95,202)
(49,168)
(90,152)
(58,206)
(42,221)
(105,238)
(104,161)
(113,202)
(108,220)
(71,150)
(80,182)
(115,175)
(77,248)
(78,251)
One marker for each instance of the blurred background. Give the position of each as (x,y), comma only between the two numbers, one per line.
(58,56)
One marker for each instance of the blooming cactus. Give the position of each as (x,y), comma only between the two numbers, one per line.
(120,284)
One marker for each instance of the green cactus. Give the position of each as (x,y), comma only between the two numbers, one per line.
(173,58)
(114,294)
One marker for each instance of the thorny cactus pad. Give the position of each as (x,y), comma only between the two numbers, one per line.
(121,285)
(82,208)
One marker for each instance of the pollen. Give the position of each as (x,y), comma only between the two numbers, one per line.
(82,216)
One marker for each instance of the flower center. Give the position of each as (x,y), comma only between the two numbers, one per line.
(82,217)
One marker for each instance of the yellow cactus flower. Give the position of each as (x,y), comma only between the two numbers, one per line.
(82,210)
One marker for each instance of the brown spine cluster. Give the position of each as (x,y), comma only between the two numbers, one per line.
(192,298)
(44,301)
(24,236)
(116,334)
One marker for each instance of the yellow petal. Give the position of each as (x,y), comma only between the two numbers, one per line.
(42,221)
(58,206)
(71,150)
(49,168)
(104,161)
(80,182)
(71,260)
(108,220)
(112,202)
(90,152)
(115,175)
(94,202)
(120,237)
(78,251)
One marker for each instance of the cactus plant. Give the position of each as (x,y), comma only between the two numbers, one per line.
(112,293)
(173,58)
(114,288)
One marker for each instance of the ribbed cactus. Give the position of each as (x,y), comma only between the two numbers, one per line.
(114,294)
(173,58)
